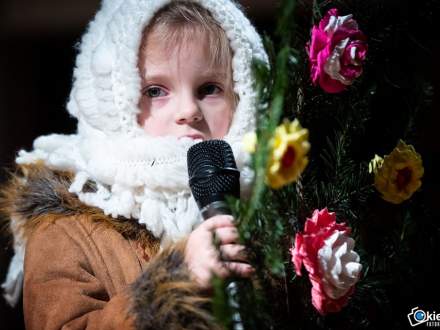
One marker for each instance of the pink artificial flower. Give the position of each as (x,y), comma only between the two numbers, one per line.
(326,251)
(336,52)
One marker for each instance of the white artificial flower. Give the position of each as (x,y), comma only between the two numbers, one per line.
(339,264)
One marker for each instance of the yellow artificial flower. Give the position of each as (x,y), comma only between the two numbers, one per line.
(399,175)
(289,147)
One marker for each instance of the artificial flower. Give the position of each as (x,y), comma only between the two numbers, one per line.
(288,156)
(336,52)
(400,173)
(325,248)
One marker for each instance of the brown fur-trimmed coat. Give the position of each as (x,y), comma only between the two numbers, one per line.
(85,270)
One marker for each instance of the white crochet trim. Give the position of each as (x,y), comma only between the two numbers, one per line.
(107,83)
(132,170)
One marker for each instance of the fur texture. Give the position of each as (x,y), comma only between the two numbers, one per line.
(166,298)
(35,194)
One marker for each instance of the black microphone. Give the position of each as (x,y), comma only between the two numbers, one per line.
(213,175)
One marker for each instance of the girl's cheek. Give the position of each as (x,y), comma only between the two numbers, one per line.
(159,104)
(152,112)
(216,102)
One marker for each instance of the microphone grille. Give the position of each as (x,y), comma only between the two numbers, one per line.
(212,172)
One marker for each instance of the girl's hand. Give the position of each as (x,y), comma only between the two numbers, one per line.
(204,259)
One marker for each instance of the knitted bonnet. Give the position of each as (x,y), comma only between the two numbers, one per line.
(137,176)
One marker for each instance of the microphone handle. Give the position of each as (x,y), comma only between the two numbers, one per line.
(222,208)
(215,208)
(237,322)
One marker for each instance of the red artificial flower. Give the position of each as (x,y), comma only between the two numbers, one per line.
(336,52)
(326,251)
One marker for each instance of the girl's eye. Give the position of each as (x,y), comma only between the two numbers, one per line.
(155,91)
(209,89)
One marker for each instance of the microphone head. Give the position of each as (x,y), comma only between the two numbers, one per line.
(213,173)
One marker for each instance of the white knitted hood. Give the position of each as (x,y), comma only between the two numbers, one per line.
(137,176)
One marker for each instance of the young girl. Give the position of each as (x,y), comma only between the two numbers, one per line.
(103,220)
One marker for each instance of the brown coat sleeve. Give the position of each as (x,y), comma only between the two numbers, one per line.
(61,290)
(69,284)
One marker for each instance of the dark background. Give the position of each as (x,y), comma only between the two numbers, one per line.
(37,56)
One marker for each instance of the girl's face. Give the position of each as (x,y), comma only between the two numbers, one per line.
(183,95)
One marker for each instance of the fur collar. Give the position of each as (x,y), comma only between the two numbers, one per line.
(35,193)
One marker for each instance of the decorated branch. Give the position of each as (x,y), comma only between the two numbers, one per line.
(336,232)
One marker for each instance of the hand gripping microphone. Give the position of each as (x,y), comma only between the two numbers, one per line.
(213,175)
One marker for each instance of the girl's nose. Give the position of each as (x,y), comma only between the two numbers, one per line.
(188,111)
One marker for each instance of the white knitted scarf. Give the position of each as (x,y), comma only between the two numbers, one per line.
(137,176)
